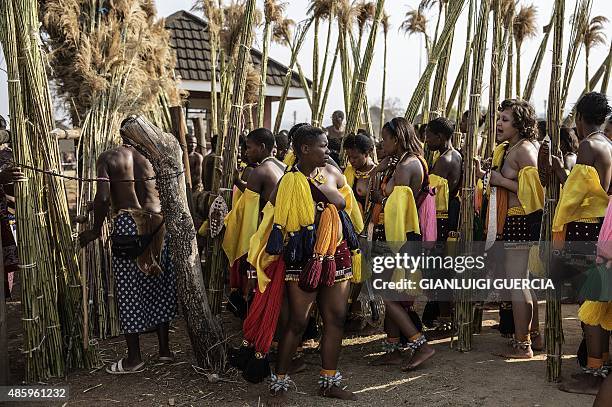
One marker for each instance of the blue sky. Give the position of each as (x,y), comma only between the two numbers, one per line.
(404,56)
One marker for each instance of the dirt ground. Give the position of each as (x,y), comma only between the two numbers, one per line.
(451,378)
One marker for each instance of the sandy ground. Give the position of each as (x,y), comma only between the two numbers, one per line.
(451,378)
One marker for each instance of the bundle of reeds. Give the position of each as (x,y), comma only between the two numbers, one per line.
(464,309)
(554,323)
(298,41)
(593,36)
(537,61)
(385,24)
(454,11)
(494,78)
(523,27)
(608,71)
(579,22)
(321,10)
(460,85)
(509,8)
(214,17)
(345,18)
(358,93)
(223,184)
(273,13)
(438,94)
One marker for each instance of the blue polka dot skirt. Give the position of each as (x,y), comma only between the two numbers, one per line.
(144,301)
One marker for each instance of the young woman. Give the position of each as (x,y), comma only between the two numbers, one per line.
(569,147)
(404,181)
(520,199)
(314,235)
(358,173)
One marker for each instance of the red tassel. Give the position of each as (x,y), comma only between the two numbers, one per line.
(328,273)
(260,323)
(310,276)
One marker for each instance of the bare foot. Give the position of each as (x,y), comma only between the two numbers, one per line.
(276,399)
(583,384)
(517,352)
(389,358)
(335,392)
(423,353)
(537,343)
(297,365)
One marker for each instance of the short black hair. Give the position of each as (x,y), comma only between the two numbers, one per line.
(443,126)
(593,108)
(262,136)
(338,113)
(481,118)
(282,140)
(305,135)
(360,142)
(2,122)
(542,126)
(295,128)
(568,142)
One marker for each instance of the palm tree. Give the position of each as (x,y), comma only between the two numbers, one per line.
(524,27)
(385,26)
(593,36)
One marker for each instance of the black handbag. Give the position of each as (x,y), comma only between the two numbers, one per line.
(130,247)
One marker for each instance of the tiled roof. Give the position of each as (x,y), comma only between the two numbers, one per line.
(190,39)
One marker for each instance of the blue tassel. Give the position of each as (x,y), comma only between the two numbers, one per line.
(309,238)
(293,250)
(348,231)
(275,241)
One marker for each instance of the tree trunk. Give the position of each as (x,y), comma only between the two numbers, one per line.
(164,153)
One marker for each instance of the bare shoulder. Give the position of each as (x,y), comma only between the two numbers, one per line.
(527,155)
(335,174)
(587,152)
(406,171)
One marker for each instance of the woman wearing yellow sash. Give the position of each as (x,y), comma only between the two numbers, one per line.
(445,178)
(313,233)
(520,200)
(578,218)
(405,177)
(358,173)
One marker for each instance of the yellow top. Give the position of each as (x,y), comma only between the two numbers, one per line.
(240,225)
(498,154)
(401,215)
(582,197)
(294,205)
(441,186)
(435,157)
(258,257)
(352,208)
(349,174)
(530,191)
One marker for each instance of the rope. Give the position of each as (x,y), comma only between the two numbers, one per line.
(37,348)
(100,179)
(26,266)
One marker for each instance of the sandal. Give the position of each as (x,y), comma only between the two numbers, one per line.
(117,368)
(167,359)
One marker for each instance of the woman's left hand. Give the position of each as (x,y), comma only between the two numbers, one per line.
(496,179)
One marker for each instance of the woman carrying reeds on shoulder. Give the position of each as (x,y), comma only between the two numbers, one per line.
(359,175)
(313,235)
(519,200)
(409,214)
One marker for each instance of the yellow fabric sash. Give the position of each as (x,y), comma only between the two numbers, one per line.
(257,256)
(240,225)
(352,208)
(582,197)
(441,186)
(289,159)
(530,191)
(349,174)
(401,215)
(596,313)
(295,207)
(498,155)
